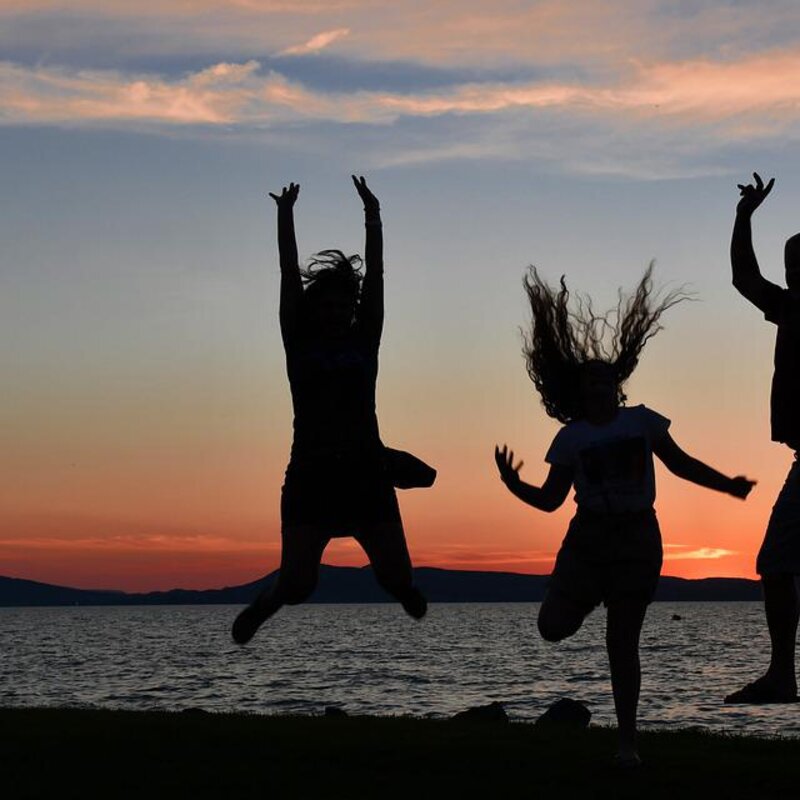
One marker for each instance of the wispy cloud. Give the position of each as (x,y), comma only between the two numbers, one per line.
(212,96)
(655,120)
(464,557)
(757,97)
(448,32)
(678,552)
(316,43)
(149,542)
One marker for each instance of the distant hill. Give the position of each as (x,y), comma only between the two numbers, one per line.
(358,585)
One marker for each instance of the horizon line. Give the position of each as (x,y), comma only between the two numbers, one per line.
(338,567)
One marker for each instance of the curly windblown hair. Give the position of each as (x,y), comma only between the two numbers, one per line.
(561,339)
(331,270)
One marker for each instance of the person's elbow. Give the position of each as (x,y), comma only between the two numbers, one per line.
(741,284)
(551,503)
(747,285)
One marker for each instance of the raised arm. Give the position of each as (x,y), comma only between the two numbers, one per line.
(683,465)
(747,277)
(547,497)
(291,284)
(370,307)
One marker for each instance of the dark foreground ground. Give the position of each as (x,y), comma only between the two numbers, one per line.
(62,753)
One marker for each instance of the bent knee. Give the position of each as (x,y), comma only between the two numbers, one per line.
(552,631)
(555,627)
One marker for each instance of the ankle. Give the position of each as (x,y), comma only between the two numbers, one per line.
(781,675)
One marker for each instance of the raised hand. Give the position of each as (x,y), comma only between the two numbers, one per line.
(741,486)
(286,199)
(504,459)
(370,201)
(753,195)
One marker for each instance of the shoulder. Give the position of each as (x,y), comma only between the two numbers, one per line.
(654,423)
(562,448)
(569,430)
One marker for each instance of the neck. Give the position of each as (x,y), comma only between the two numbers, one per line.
(602,416)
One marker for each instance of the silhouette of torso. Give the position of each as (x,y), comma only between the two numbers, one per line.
(333,395)
(612,463)
(783,309)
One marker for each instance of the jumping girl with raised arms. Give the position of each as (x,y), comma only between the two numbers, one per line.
(340,479)
(612,551)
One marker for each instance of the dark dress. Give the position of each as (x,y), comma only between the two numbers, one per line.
(337,475)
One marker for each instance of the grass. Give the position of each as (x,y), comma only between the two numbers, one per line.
(72,753)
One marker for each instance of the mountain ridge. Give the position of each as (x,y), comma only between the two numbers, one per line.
(358,585)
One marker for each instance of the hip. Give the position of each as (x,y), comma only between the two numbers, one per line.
(604,538)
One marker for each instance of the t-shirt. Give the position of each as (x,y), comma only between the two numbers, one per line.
(333,395)
(782,307)
(612,463)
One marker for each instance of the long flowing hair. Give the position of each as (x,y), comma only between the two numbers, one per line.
(561,339)
(332,270)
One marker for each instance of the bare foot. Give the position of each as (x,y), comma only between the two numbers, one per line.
(415,604)
(763,690)
(247,623)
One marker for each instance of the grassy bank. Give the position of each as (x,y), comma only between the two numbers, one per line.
(62,753)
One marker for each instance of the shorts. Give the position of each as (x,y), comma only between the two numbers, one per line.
(343,494)
(606,558)
(780,551)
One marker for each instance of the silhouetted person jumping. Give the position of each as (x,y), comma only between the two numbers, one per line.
(778,560)
(612,551)
(339,481)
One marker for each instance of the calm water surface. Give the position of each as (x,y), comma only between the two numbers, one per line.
(372,659)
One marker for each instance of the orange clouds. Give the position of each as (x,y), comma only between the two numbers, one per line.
(685,93)
(178,8)
(56,95)
(448,32)
(706,90)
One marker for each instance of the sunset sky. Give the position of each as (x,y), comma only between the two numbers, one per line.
(146,417)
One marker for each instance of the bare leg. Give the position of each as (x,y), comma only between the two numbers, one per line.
(781,606)
(301,553)
(623,627)
(386,548)
(779,683)
(560,616)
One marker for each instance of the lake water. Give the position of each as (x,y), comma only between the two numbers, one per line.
(372,659)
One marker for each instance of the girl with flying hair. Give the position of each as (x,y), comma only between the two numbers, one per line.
(612,551)
(340,480)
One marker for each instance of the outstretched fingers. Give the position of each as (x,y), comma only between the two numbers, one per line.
(287,196)
(505,463)
(364,192)
(760,188)
(754,194)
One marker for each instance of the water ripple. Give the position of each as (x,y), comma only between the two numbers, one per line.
(371,659)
